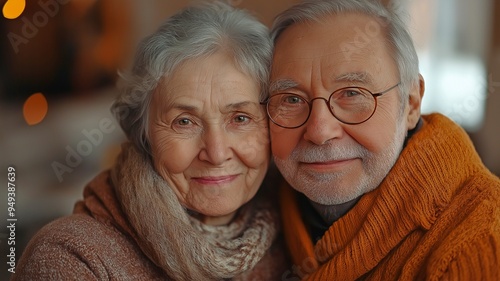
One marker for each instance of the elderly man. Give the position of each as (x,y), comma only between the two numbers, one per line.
(374,190)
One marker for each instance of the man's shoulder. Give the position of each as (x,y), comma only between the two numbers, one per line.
(472,228)
(481,189)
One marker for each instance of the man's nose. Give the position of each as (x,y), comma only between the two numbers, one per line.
(322,126)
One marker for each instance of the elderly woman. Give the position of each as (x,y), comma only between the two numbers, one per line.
(178,203)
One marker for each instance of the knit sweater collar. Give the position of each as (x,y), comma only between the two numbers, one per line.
(435,162)
(318,225)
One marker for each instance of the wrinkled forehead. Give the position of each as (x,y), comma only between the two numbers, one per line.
(334,42)
(345,31)
(312,59)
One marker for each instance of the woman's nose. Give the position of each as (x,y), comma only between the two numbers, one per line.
(216,147)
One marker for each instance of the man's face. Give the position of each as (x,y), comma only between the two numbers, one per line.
(331,162)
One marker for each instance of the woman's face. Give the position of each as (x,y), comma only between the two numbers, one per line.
(209,136)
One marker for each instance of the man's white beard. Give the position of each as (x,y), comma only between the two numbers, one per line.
(335,188)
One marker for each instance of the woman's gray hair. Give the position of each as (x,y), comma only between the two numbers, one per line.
(399,39)
(194,32)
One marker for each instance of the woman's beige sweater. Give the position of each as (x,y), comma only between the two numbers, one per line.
(97,242)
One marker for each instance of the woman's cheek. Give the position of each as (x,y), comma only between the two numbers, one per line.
(175,155)
(254,148)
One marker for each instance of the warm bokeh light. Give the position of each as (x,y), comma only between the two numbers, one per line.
(13,8)
(35,108)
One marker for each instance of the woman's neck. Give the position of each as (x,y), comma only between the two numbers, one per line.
(213,220)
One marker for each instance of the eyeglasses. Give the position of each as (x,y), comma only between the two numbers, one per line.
(350,105)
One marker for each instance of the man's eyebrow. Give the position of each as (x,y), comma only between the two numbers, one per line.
(282,84)
(362,77)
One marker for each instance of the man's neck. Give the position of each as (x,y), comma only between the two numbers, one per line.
(331,213)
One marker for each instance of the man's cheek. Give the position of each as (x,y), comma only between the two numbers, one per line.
(283,141)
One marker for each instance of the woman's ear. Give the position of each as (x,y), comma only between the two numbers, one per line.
(414,102)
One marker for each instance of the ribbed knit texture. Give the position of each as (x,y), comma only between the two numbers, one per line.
(436,216)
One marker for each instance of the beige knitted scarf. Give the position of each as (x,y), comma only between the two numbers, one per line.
(178,243)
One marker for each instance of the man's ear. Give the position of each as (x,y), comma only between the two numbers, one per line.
(414,102)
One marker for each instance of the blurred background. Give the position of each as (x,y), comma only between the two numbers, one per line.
(58,69)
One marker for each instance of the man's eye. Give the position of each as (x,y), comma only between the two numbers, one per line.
(351,93)
(292,99)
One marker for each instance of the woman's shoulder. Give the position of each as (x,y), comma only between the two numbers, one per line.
(68,230)
(65,247)
(76,227)
(80,246)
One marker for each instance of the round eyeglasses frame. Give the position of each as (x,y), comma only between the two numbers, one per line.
(309,103)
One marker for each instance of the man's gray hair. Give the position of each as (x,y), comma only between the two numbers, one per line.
(197,31)
(398,38)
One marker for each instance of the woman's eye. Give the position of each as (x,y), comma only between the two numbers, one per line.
(241,119)
(184,122)
(185,125)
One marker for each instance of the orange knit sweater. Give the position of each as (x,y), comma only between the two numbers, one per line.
(436,216)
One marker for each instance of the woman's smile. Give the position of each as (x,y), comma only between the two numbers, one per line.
(215,180)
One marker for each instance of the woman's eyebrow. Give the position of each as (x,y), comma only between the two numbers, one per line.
(240,105)
(184,107)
